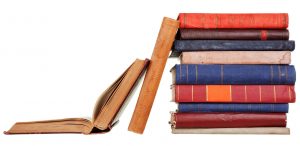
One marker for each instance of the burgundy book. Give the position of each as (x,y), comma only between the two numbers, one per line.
(234,93)
(230,20)
(232,34)
(227,120)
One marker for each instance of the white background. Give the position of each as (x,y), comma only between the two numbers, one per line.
(56,57)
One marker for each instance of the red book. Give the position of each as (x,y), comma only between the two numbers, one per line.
(227,120)
(226,20)
(234,93)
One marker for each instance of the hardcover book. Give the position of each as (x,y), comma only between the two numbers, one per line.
(233,107)
(233,74)
(234,93)
(227,120)
(230,20)
(106,111)
(251,130)
(236,57)
(232,34)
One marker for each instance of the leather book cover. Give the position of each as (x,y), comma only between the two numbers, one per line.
(233,74)
(234,93)
(236,57)
(232,34)
(233,107)
(230,20)
(227,120)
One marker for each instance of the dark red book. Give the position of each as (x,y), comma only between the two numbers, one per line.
(234,93)
(227,120)
(227,20)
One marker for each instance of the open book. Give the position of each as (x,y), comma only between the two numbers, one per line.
(106,111)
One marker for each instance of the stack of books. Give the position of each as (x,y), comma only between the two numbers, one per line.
(234,76)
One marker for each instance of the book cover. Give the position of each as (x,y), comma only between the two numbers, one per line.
(230,20)
(232,34)
(233,74)
(236,57)
(233,107)
(227,120)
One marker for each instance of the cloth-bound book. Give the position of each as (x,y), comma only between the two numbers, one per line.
(106,111)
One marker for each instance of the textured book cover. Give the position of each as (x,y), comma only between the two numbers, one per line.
(230,20)
(232,45)
(232,34)
(227,120)
(232,107)
(236,57)
(234,93)
(233,74)
(251,130)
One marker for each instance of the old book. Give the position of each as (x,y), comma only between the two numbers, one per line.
(232,34)
(253,130)
(233,107)
(106,111)
(227,120)
(230,20)
(233,74)
(236,57)
(153,76)
(234,93)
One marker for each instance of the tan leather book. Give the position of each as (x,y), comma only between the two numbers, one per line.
(106,111)
(236,57)
(258,130)
(153,76)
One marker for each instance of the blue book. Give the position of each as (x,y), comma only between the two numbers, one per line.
(234,74)
(231,45)
(233,107)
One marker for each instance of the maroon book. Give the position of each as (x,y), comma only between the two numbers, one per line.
(227,120)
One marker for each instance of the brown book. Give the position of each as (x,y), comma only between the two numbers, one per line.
(106,111)
(151,82)
(236,57)
(232,34)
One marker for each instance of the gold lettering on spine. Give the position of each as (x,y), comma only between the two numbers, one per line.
(290,96)
(230,92)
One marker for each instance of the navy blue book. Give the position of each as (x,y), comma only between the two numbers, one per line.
(233,74)
(233,107)
(230,45)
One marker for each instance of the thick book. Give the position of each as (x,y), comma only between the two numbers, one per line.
(106,111)
(230,20)
(233,107)
(234,93)
(153,75)
(232,34)
(236,57)
(227,120)
(251,130)
(233,74)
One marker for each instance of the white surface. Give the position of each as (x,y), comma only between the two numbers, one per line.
(56,57)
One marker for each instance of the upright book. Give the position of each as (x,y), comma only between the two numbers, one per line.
(106,111)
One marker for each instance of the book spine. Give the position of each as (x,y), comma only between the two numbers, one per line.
(236,57)
(228,120)
(153,75)
(233,74)
(254,130)
(254,20)
(235,93)
(232,34)
(232,107)
(230,45)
